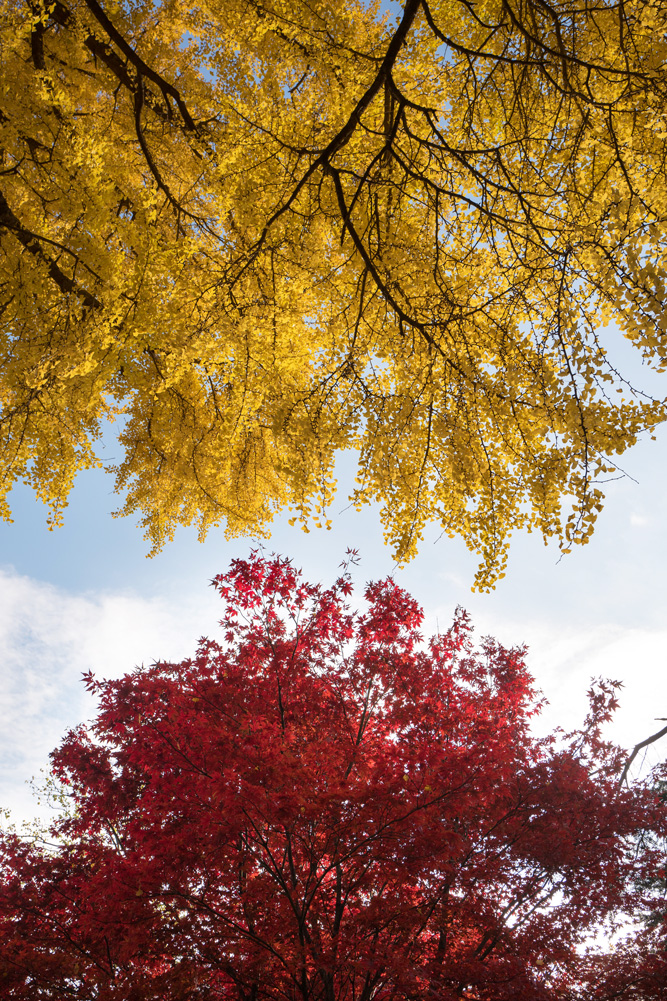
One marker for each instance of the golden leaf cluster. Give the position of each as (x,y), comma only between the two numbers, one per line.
(259,233)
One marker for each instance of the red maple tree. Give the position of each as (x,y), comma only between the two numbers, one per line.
(323,807)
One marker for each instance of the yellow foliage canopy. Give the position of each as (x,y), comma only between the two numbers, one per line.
(266,231)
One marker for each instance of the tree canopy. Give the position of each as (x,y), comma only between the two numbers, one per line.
(323,807)
(258,232)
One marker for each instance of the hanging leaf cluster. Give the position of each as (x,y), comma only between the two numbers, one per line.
(255,234)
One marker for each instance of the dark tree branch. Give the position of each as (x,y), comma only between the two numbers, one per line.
(31,243)
(344,135)
(637,748)
(143,68)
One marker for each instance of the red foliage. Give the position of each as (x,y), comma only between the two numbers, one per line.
(324,807)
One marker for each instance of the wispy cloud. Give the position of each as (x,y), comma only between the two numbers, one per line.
(48,638)
(563,660)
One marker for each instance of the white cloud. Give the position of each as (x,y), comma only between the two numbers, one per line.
(563,660)
(48,638)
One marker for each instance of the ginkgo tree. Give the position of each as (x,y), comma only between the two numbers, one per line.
(258,232)
(322,807)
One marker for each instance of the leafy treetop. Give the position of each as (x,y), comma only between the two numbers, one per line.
(322,807)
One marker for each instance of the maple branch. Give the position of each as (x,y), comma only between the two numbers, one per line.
(363,720)
(223,916)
